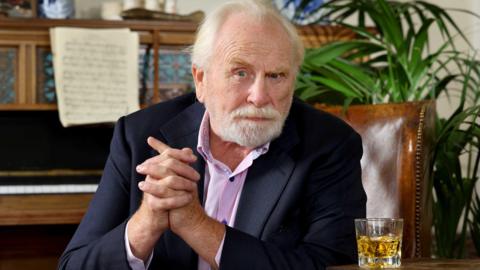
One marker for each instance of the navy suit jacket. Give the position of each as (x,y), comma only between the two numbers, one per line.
(296,210)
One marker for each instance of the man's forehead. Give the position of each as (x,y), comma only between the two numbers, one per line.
(251,40)
(258,29)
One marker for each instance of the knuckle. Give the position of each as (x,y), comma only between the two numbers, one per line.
(187,198)
(185,184)
(161,191)
(159,204)
(167,152)
(149,179)
(169,180)
(187,150)
(152,203)
(170,163)
(166,203)
(160,170)
(146,185)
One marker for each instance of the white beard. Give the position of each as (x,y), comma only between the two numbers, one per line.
(249,133)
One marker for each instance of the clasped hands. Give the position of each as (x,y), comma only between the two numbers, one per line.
(170,198)
(170,201)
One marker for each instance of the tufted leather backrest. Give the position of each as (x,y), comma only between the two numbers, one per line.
(397,142)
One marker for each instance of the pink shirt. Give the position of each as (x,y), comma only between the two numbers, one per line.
(222,190)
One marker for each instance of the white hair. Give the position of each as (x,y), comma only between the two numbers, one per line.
(202,49)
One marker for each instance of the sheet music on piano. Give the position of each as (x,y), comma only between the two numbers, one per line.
(96,74)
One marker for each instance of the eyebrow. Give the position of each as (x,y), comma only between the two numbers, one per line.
(239,61)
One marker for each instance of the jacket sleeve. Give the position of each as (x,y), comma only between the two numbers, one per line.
(333,197)
(98,242)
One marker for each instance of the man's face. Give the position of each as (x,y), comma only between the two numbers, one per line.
(247,87)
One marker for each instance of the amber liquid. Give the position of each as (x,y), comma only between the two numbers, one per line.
(379,251)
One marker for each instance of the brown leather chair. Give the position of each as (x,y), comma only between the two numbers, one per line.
(397,141)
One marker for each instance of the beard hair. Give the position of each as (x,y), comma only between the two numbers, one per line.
(234,128)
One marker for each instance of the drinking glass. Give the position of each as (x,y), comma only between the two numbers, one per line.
(379,242)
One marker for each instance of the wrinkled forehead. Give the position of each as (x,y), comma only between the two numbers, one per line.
(243,36)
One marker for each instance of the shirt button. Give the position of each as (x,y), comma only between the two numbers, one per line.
(224,222)
(231,179)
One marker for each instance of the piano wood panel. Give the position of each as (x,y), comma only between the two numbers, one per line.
(43,209)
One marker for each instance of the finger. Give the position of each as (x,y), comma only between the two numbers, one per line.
(185,154)
(161,147)
(179,183)
(154,170)
(164,186)
(173,202)
(174,183)
(165,204)
(157,144)
(160,190)
(168,168)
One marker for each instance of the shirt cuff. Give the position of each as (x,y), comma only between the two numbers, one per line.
(218,256)
(134,262)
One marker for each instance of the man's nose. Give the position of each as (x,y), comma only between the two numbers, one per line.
(258,93)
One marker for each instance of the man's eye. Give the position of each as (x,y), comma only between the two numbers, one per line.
(242,73)
(276,76)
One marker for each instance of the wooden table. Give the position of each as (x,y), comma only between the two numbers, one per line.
(425,264)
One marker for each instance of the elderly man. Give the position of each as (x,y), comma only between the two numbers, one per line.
(238,176)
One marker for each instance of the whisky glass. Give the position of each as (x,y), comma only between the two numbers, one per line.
(379,242)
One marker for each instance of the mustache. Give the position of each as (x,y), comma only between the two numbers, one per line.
(251,111)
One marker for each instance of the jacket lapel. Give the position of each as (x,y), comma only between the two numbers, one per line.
(182,131)
(265,182)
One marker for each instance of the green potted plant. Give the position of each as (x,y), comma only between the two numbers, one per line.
(394,63)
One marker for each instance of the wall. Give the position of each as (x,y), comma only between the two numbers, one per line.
(89,9)
(470,25)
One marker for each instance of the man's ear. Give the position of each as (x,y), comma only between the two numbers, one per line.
(199,79)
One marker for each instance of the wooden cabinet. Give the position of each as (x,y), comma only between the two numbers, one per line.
(26,71)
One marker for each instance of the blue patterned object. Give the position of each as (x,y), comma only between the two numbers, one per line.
(45,77)
(145,67)
(309,14)
(7,75)
(174,75)
(56,9)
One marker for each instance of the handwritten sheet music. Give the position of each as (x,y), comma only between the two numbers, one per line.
(96,74)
